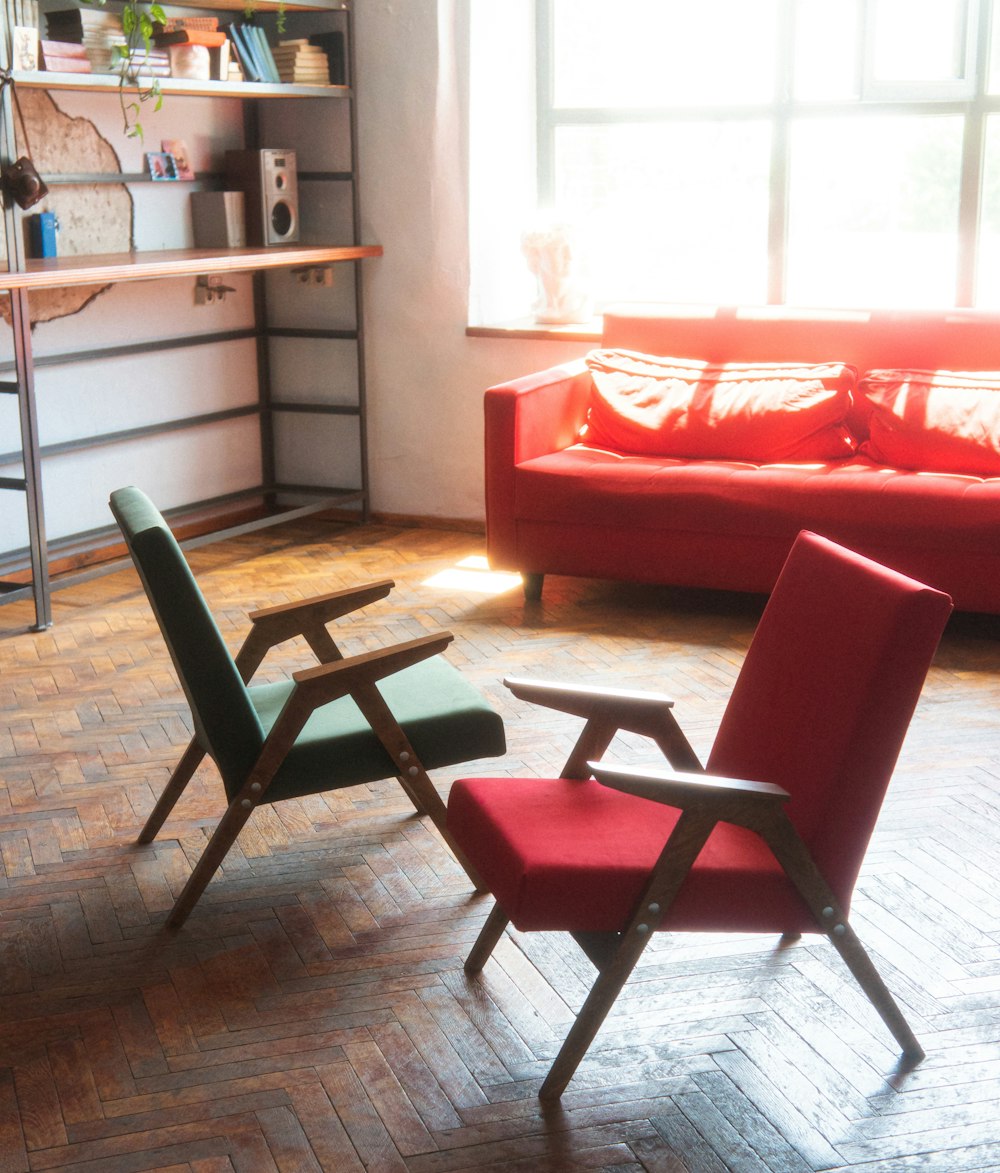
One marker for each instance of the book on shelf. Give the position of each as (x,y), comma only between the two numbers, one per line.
(55,64)
(139,62)
(210,38)
(222,62)
(25,14)
(63,49)
(264,52)
(175,23)
(246,59)
(64,57)
(71,24)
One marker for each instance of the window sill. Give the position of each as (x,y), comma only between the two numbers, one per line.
(528,328)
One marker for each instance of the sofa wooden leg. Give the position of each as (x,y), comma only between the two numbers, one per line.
(532,587)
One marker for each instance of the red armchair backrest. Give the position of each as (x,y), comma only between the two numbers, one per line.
(826,693)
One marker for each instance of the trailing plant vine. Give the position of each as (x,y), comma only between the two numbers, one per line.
(138,27)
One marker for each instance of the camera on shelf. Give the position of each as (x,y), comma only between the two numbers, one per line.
(22,181)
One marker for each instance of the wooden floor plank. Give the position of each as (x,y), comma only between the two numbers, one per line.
(313,1012)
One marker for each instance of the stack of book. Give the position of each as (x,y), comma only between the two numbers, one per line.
(141,62)
(94,29)
(64,57)
(302,64)
(181,31)
(190,30)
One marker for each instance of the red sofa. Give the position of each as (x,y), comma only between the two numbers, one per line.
(562,499)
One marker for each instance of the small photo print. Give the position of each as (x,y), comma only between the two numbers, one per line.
(161,165)
(182,160)
(25,48)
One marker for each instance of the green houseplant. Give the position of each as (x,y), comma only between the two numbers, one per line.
(138,23)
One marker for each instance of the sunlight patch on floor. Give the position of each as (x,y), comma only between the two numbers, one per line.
(473,574)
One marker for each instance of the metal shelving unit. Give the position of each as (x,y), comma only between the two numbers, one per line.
(23,276)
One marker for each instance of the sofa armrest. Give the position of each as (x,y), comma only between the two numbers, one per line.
(525,418)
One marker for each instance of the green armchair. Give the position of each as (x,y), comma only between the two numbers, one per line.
(396,712)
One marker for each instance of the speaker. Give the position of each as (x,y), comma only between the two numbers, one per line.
(267,179)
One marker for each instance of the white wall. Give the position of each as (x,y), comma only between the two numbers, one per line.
(425,377)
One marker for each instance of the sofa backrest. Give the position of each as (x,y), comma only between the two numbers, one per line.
(929,339)
(952,340)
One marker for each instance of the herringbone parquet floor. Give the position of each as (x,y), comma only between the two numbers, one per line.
(313,1013)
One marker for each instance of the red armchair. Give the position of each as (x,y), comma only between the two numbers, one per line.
(769,837)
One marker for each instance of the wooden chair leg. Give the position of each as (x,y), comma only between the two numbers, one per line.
(801,869)
(183,772)
(592,1014)
(860,964)
(424,796)
(486,942)
(678,855)
(411,794)
(230,825)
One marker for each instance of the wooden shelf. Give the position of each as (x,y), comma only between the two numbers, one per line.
(269,5)
(62,272)
(108,83)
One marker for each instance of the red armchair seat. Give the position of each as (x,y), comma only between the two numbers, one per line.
(537,853)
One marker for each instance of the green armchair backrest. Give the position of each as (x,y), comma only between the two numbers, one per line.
(225,722)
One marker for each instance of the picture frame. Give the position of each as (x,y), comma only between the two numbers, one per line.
(177,148)
(161,165)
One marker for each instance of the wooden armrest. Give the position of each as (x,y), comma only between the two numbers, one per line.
(606,711)
(620,704)
(290,619)
(690,791)
(326,682)
(308,618)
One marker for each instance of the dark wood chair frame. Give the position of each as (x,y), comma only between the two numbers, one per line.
(335,676)
(704,800)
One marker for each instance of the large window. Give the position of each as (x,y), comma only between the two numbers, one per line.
(817,152)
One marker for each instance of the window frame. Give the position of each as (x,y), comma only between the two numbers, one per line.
(974,105)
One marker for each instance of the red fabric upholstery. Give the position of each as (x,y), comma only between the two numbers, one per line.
(575,856)
(934,421)
(821,707)
(591,486)
(740,411)
(556,506)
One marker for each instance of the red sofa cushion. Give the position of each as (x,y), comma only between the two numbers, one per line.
(933,421)
(735,411)
(857,502)
(534,845)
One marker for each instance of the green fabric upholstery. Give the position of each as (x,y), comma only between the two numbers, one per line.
(225,722)
(444,718)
